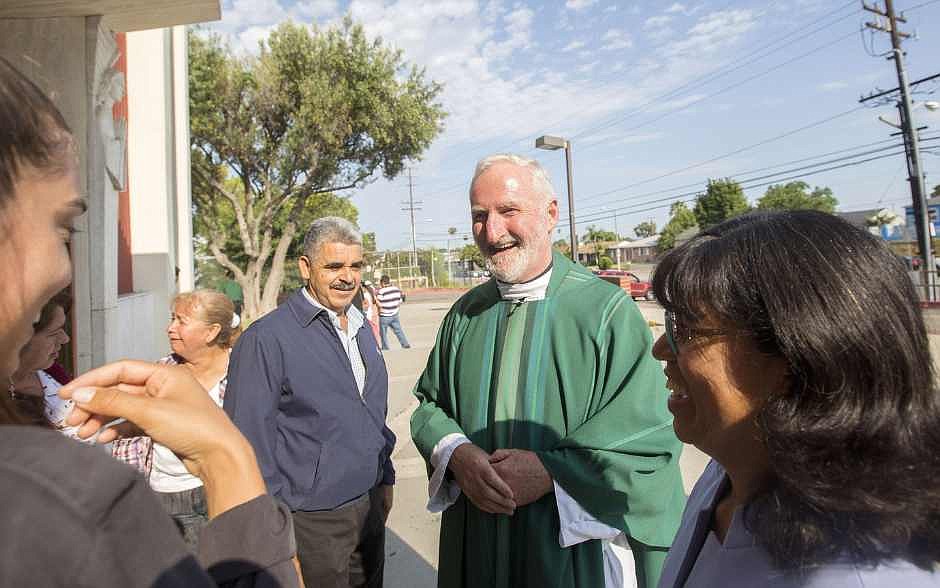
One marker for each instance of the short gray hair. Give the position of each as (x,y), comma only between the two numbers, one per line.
(330,229)
(540,178)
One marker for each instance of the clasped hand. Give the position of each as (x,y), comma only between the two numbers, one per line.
(500,482)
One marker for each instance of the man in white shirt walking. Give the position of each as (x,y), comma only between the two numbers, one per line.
(390,298)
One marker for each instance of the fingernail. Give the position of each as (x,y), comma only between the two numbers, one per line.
(83,395)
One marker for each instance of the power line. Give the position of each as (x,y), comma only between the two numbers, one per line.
(929,137)
(688,196)
(893,144)
(709,77)
(410,207)
(910,133)
(761,143)
(695,81)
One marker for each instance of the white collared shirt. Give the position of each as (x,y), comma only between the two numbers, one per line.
(348,338)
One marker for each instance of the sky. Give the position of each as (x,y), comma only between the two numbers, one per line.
(655,97)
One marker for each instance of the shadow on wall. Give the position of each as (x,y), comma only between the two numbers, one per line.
(404,566)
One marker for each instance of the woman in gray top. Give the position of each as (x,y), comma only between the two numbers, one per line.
(797,357)
(71,515)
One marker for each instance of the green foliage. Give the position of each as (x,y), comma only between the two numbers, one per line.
(680,219)
(431,264)
(471,252)
(594,234)
(562,246)
(723,199)
(936,192)
(645,229)
(796,196)
(277,135)
(604,262)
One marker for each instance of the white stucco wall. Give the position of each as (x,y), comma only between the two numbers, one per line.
(158,168)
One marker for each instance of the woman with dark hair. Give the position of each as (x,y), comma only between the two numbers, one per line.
(73,516)
(34,389)
(798,360)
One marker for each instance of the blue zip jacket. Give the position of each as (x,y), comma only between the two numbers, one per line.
(292,393)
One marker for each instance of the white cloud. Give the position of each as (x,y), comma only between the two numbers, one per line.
(579,4)
(519,31)
(572,46)
(249,39)
(676,7)
(315,9)
(713,32)
(615,39)
(641,138)
(832,86)
(239,14)
(656,22)
(588,67)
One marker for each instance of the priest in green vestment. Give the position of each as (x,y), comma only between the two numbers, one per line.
(543,414)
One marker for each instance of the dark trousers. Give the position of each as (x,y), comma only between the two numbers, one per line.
(189,511)
(344,547)
(392,321)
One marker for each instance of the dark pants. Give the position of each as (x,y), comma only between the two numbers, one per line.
(395,324)
(189,511)
(344,547)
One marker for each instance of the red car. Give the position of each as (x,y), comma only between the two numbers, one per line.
(629,281)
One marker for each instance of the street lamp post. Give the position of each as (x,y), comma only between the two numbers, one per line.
(553,143)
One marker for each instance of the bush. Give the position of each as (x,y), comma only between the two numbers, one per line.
(605,262)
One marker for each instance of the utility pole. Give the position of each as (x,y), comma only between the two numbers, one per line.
(911,140)
(411,206)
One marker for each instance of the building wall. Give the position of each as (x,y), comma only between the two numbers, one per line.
(71,59)
(158,163)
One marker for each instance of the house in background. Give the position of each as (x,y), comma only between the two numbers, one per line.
(117,71)
(640,251)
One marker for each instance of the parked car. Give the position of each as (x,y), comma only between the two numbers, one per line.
(629,281)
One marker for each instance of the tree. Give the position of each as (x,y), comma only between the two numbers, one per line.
(315,112)
(471,252)
(594,234)
(680,219)
(723,199)
(796,196)
(645,229)
(605,262)
(936,192)
(562,246)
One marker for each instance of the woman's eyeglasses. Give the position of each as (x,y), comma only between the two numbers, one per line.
(678,334)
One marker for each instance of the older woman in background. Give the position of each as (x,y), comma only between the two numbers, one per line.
(33,389)
(203,327)
(798,360)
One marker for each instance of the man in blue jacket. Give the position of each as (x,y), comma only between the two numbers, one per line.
(308,387)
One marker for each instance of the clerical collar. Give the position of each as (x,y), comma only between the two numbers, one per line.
(534,289)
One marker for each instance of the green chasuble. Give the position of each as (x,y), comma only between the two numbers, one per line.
(570,377)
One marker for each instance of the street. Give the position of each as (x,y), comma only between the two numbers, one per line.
(411,548)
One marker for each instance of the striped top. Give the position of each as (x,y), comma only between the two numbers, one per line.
(390,299)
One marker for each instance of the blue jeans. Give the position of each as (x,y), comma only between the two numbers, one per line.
(393,322)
